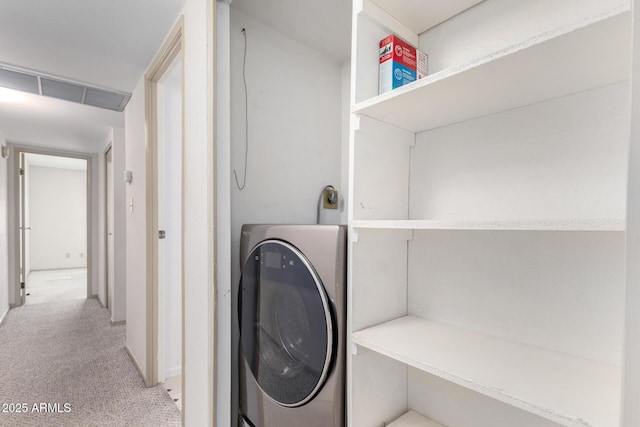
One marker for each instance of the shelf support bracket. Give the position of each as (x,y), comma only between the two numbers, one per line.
(354,235)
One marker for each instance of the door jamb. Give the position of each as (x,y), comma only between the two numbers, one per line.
(14,221)
(171,49)
(106,229)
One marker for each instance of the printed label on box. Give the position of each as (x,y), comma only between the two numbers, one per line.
(400,63)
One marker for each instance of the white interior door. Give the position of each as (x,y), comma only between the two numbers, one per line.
(110,228)
(23,228)
(169,152)
(162,252)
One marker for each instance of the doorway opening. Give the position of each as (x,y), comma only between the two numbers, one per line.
(52,257)
(165,290)
(169,156)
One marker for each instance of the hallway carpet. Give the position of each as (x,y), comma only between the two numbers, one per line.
(64,364)
(56,285)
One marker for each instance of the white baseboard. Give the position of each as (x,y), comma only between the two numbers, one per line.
(135,362)
(4,315)
(173,372)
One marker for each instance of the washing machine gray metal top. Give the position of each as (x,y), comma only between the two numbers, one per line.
(286,328)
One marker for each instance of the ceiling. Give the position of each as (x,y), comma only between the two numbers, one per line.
(322,25)
(106,43)
(110,43)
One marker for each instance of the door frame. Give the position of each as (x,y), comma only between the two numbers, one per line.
(107,272)
(172,49)
(14,220)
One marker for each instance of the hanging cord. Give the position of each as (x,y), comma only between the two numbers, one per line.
(246,116)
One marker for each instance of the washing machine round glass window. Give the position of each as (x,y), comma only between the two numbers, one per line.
(286,330)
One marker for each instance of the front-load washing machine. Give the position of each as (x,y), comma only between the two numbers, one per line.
(291,314)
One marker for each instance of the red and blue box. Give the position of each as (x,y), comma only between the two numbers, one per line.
(400,64)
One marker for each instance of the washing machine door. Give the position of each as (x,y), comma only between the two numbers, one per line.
(286,330)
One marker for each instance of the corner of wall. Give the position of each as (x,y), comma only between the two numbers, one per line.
(4,238)
(118,313)
(134,218)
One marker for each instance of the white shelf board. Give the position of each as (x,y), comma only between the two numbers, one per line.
(420,15)
(559,387)
(414,419)
(582,56)
(599,224)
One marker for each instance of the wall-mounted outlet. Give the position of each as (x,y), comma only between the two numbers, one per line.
(81,254)
(330,199)
(67,255)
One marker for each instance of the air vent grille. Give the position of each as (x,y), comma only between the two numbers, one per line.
(38,83)
(62,90)
(18,81)
(104,99)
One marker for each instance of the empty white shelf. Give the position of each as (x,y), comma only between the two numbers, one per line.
(565,389)
(566,61)
(414,419)
(597,224)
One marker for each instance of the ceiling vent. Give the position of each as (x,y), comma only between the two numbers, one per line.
(55,87)
(18,81)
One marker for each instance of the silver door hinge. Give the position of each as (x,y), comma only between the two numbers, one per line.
(161,234)
(21,171)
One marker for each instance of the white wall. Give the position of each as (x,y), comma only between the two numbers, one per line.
(198,207)
(118,313)
(136,291)
(346,122)
(564,158)
(58,217)
(4,252)
(493,25)
(295,139)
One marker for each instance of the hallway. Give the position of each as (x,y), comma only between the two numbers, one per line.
(68,355)
(56,285)
(90,101)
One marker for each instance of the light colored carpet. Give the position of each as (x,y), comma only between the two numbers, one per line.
(68,352)
(56,285)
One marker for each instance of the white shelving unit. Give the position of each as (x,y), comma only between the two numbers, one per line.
(525,73)
(562,388)
(487,216)
(599,224)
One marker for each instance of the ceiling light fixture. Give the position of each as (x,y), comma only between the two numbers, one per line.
(57,87)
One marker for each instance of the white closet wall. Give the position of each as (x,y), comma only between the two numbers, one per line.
(58,217)
(294,128)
